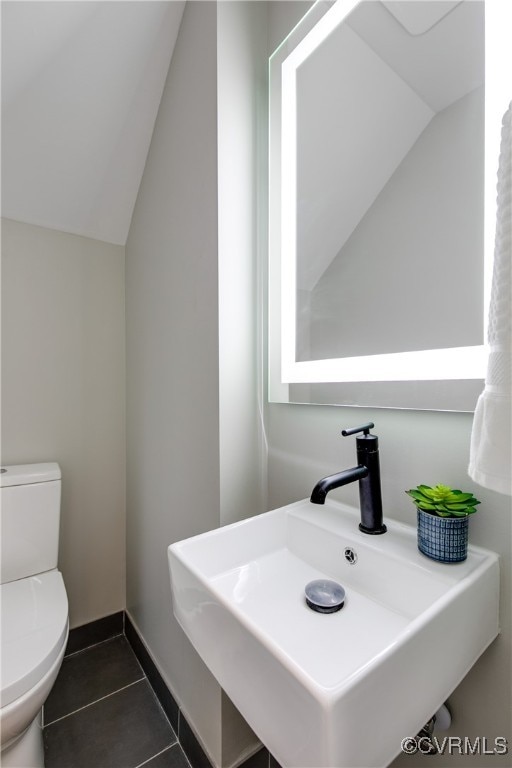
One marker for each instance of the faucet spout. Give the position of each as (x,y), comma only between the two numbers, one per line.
(368,474)
(330,482)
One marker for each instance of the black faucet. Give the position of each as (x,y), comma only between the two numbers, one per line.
(368,474)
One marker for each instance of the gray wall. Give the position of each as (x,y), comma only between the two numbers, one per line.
(63,377)
(241,100)
(195,457)
(172,360)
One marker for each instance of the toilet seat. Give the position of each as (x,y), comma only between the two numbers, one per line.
(34,631)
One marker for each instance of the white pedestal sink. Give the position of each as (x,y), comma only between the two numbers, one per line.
(340,689)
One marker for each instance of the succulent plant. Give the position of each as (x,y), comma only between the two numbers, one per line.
(443,501)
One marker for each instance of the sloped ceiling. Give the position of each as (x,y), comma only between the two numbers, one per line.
(439,64)
(81,86)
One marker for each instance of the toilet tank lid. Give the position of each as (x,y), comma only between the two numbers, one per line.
(26,474)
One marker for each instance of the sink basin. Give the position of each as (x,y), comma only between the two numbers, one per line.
(332,689)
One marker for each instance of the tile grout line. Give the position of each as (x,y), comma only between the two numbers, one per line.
(176,732)
(176,742)
(164,713)
(186,756)
(113,693)
(154,689)
(93,645)
(169,746)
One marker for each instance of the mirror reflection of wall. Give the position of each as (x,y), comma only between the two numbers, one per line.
(390,165)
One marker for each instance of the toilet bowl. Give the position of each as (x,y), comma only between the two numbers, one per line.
(34,612)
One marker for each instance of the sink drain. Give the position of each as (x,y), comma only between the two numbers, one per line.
(325,596)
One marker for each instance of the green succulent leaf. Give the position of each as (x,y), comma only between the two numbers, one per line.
(416,495)
(426,506)
(443,501)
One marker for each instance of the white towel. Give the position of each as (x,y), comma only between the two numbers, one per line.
(490,461)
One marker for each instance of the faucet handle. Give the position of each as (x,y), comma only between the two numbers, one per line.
(363,428)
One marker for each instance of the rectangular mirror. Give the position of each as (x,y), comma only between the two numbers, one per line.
(376,219)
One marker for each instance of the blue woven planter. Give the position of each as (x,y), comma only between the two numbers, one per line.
(443,538)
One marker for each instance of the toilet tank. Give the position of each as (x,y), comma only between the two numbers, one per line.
(29,519)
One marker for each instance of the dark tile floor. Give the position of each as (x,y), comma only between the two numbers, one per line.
(102,713)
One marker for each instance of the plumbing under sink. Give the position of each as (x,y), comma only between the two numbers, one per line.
(343,688)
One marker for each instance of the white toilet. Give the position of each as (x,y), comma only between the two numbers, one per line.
(34,605)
